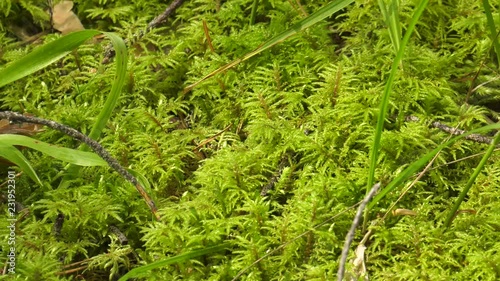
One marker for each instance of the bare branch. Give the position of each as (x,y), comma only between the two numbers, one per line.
(454,131)
(96,147)
(350,234)
(109,52)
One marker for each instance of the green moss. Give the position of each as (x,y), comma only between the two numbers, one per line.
(311,100)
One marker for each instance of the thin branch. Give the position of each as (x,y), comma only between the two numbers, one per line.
(350,234)
(119,234)
(109,53)
(203,143)
(96,147)
(454,131)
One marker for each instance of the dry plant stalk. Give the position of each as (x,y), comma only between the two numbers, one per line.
(110,52)
(96,147)
(454,131)
(350,235)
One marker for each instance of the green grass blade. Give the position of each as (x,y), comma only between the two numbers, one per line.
(72,156)
(51,52)
(121,71)
(314,18)
(15,156)
(492,29)
(179,258)
(43,56)
(141,179)
(391,18)
(254,11)
(467,187)
(387,92)
(395,24)
(417,165)
(111,101)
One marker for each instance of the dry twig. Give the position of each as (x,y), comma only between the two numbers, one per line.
(112,162)
(454,131)
(109,52)
(350,234)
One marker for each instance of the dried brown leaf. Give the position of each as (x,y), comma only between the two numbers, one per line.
(26,129)
(64,20)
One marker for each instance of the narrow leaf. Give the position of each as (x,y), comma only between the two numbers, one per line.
(417,165)
(471,180)
(15,156)
(384,103)
(44,55)
(73,156)
(314,18)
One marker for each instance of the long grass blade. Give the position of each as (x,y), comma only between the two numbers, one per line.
(471,180)
(109,105)
(15,156)
(493,30)
(49,53)
(391,19)
(121,71)
(43,56)
(417,165)
(387,93)
(72,156)
(314,18)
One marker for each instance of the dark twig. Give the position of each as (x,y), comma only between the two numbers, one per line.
(58,224)
(350,234)
(109,53)
(274,179)
(454,131)
(112,162)
(121,237)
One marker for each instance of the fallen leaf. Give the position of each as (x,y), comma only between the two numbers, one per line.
(26,129)
(403,212)
(63,19)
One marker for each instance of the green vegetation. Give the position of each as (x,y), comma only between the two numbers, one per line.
(255,126)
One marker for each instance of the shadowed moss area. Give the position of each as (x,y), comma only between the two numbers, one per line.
(263,152)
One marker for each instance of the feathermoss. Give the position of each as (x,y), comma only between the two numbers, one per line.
(301,119)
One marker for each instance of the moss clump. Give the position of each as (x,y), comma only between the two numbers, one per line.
(301,117)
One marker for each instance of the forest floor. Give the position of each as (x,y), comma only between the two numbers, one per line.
(257,128)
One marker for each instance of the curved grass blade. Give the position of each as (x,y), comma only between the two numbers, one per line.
(314,18)
(111,101)
(384,103)
(417,165)
(390,13)
(49,53)
(55,50)
(493,30)
(72,156)
(121,57)
(45,55)
(142,270)
(15,156)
